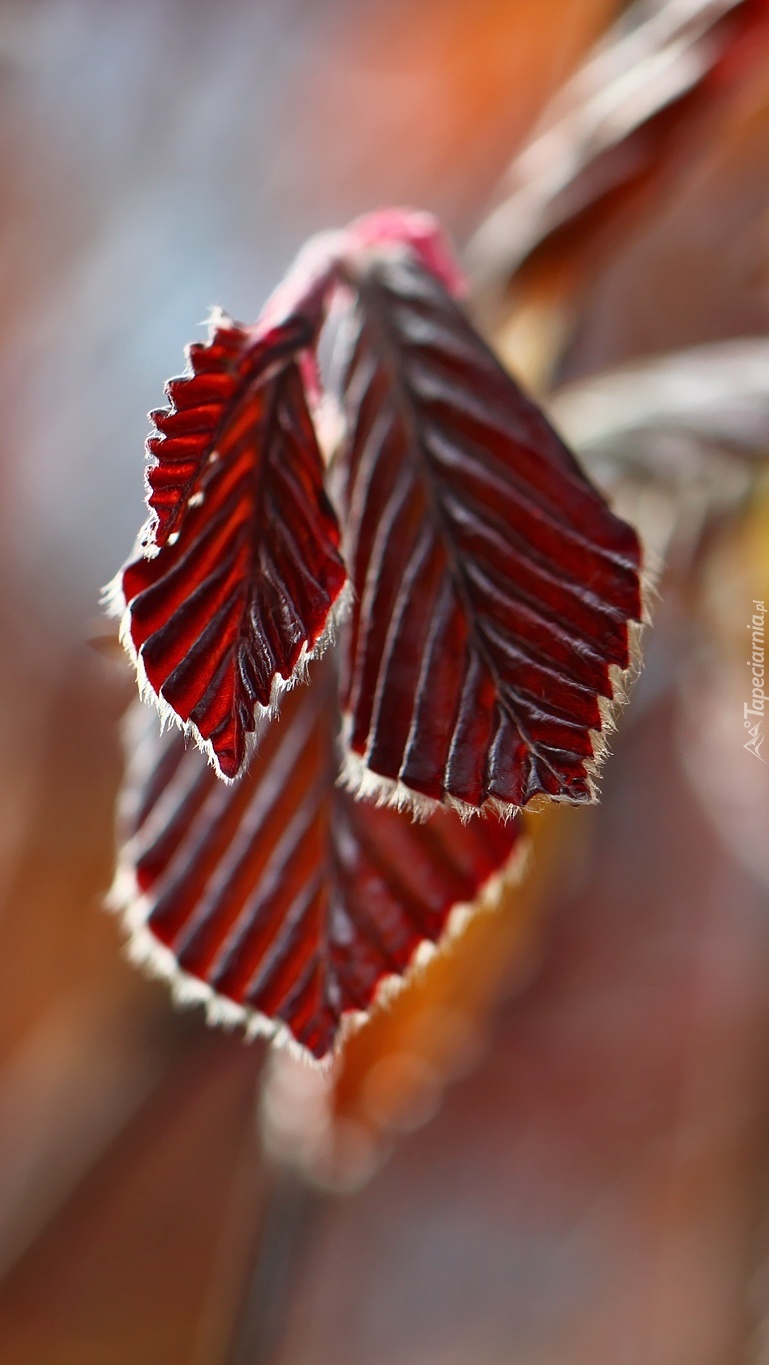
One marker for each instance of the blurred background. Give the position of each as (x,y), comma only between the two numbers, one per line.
(559,1151)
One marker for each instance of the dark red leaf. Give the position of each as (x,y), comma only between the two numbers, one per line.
(246,572)
(202,407)
(493,587)
(281,900)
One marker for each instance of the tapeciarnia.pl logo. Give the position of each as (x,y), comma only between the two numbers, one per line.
(754,710)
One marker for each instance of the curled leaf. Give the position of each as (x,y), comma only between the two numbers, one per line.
(667,85)
(669,413)
(614,136)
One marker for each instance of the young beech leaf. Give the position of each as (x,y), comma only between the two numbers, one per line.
(493,587)
(280,900)
(241,577)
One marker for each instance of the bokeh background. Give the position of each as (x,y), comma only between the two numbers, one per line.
(594,1185)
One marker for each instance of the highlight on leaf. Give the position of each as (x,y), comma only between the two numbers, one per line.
(494,590)
(241,580)
(281,901)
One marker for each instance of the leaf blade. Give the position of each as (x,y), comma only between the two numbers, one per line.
(244,579)
(474,514)
(281,901)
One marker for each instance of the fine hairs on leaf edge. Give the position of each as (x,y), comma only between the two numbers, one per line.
(114,603)
(218,319)
(158,962)
(357,778)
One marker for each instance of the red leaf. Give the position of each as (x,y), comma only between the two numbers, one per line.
(281,900)
(493,586)
(223,370)
(246,573)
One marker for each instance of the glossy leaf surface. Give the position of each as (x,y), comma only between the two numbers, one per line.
(247,571)
(281,899)
(493,586)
